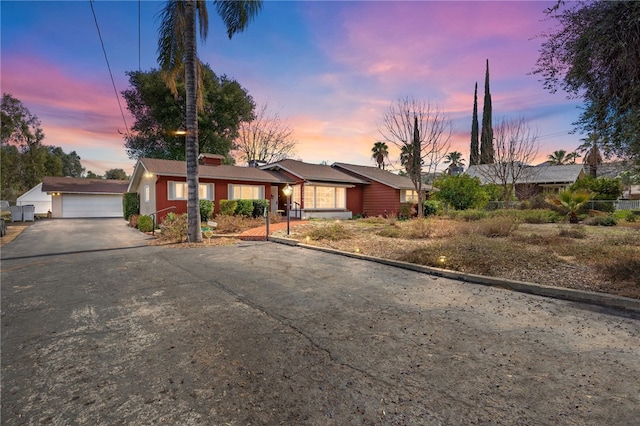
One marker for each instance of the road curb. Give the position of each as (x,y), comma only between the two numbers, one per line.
(572,295)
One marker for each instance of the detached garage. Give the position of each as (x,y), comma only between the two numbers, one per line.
(81,198)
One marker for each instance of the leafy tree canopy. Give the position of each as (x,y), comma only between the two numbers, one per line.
(593,54)
(602,188)
(24,159)
(462,192)
(115,174)
(158,114)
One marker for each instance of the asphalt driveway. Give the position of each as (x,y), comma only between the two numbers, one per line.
(100,328)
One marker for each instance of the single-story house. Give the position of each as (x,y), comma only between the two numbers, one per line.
(532,180)
(37,198)
(78,197)
(319,191)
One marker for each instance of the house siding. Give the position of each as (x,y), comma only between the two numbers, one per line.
(379,199)
(354,200)
(220,188)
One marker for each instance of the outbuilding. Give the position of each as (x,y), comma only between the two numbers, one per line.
(35,197)
(82,198)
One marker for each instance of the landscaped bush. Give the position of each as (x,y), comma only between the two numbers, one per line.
(419,229)
(539,216)
(259,206)
(232,224)
(431,207)
(627,215)
(130,204)
(206,210)
(173,228)
(228,207)
(601,221)
(407,211)
(572,231)
(145,223)
(244,208)
(334,231)
(496,227)
(390,231)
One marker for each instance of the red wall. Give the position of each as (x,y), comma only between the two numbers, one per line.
(379,199)
(220,193)
(354,199)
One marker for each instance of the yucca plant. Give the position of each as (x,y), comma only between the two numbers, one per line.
(572,201)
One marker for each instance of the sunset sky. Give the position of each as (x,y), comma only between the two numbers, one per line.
(331,69)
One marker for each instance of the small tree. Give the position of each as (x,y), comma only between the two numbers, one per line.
(461,192)
(572,201)
(115,174)
(515,146)
(422,132)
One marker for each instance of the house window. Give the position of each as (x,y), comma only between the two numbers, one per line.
(147,194)
(324,197)
(246,192)
(408,196)
(179,191)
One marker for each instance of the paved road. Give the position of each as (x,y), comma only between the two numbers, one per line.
(99,328)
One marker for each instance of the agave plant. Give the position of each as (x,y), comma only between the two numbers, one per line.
(572,201)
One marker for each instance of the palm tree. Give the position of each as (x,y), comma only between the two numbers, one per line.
(406,157)
(572,201)
(558,157)
(176,52)
(456,160)
(380,151)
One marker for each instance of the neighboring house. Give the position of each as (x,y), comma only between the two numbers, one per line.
(534,179)
(319,191)
(37,198)
(78,197)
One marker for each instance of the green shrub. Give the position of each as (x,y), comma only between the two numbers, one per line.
(431,207)
(130,204)
(244,208)
(540,216)
(259,206)
(407,211)
(145,223)
(206,210)
(627,215)
(228,207)
(174,228)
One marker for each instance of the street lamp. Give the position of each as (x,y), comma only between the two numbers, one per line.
(287,191)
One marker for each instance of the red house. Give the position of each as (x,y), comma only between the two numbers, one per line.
(319,191)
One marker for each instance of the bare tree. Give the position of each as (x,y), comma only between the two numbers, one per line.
(422,131)
(265,139)
(515,146)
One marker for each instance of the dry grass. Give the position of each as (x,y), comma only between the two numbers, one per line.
(603,259)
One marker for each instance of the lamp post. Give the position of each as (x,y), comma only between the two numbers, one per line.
(287,191)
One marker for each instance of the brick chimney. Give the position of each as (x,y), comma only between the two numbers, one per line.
(210,159)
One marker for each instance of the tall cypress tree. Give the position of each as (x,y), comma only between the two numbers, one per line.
(474,155)
(486,138)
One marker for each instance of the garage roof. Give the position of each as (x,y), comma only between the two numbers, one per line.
(70,185)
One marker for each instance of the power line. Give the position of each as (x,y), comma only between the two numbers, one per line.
(113,83)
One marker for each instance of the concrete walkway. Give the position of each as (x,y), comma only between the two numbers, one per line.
(260,233)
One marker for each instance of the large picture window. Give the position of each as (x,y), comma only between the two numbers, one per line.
(180,191)
(246,192)
(408,196)
(324,197)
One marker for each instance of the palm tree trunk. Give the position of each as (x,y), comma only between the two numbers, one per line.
(191,148)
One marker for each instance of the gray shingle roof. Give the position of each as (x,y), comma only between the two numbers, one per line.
(70,185)
(568,173)
(376,174)
(313,172)
(179,168)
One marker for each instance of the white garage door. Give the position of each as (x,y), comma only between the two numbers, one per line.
(75,205)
